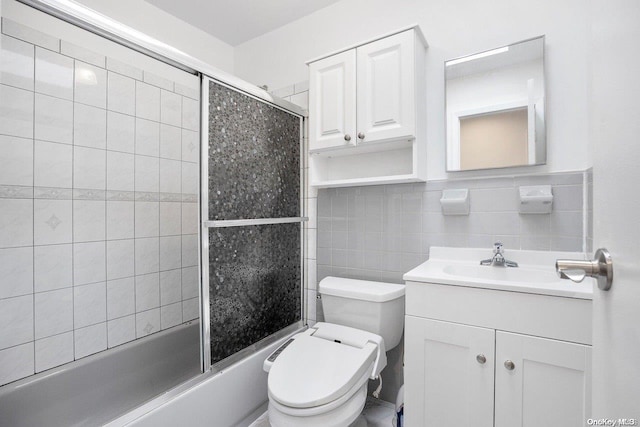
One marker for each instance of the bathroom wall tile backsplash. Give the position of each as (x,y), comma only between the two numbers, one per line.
(380,232)
(98,202)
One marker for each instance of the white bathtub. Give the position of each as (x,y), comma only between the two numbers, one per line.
(234,397)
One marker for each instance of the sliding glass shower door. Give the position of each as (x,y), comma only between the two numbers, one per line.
(252,213)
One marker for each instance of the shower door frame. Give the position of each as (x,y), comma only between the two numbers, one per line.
(206,225)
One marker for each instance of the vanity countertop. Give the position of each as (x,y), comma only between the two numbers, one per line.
(535,273)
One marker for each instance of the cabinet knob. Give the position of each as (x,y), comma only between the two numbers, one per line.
(347,137)
(481,359)
(509,365)
(361,135)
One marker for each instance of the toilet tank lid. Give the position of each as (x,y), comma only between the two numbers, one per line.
(366,290)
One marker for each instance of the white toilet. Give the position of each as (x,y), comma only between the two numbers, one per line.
(318,378)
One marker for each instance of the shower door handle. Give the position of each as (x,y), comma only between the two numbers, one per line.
(253,221)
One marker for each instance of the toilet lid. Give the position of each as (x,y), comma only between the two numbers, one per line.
(315,371)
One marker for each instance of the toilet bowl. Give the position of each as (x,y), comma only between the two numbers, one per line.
(319,377)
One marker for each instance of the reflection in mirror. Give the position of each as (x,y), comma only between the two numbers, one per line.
(495,108)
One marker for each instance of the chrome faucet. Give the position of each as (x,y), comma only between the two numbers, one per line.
(498,259)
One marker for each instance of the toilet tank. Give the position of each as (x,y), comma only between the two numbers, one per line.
(376,307)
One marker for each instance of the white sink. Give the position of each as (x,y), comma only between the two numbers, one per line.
(535,274)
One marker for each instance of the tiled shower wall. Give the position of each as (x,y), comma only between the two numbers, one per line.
(98,202)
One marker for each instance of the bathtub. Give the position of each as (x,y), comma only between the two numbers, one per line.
(99,388)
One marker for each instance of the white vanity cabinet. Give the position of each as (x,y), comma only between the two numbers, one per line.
(367,113)
(483,357)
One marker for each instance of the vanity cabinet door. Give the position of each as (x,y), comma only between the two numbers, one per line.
(386,88)
(548,382)
(449,374)
(332,101)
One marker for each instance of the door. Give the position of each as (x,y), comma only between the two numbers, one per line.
(332,101)
(386,88)
(615,127)
(541,382)
(453,368)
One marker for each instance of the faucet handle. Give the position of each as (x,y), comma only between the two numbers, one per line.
(497,248)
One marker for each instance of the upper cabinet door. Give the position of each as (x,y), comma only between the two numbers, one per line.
(332,101)
(386,88)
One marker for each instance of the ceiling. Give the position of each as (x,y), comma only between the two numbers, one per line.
(236,21)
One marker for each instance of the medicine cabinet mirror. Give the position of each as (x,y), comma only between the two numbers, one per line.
(495,108)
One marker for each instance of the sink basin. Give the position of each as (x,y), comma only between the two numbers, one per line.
(536,272)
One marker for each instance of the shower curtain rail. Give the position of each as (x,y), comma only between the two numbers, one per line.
(255,221)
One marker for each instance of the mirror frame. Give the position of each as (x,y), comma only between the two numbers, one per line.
(544,116)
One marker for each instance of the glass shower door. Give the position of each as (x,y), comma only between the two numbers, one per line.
(253,254)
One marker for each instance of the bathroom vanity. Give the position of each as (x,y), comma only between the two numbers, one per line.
(496,346)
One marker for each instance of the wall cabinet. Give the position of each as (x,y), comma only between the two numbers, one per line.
(367,113)
(478,374)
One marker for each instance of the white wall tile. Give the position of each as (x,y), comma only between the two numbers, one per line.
(190,146)
(170,218)
(17,112)
(190,178)
(147,322)
(89,126)
(16,62)
(147,291)
(124,68)
(147,219)
(16,272)
(190,309)
(120,171)
(170,142)
(89,263)
(301,87)
(147,174)
(170,287)
(88,220)
(89,168)
(147,102)
(170,176)
(189,250)
(170,108)
(16,222)
(52,221)
(170,252)
(53,119)
(30,35)
(190,218)
(147,255)
(147,138)
(16,162)
(158,81)
(120,220)
(54,74)
(90,85)
(89,304)
(120,259)
(121,298)
(192,92)
(16,362)
(82,53)
(171,315)
(122,330)
(54,351)
(190,283)
(301,99)
(53,267)
(53,312)
(16,318)
(53,164)
(121,94)
(120,132)
(190,114)
(90,340)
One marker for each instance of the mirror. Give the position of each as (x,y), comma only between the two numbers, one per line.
(495,108)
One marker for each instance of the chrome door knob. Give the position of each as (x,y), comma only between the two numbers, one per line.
(481,359)
(347,137)
(601,268)
(361,135)
(509,365)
